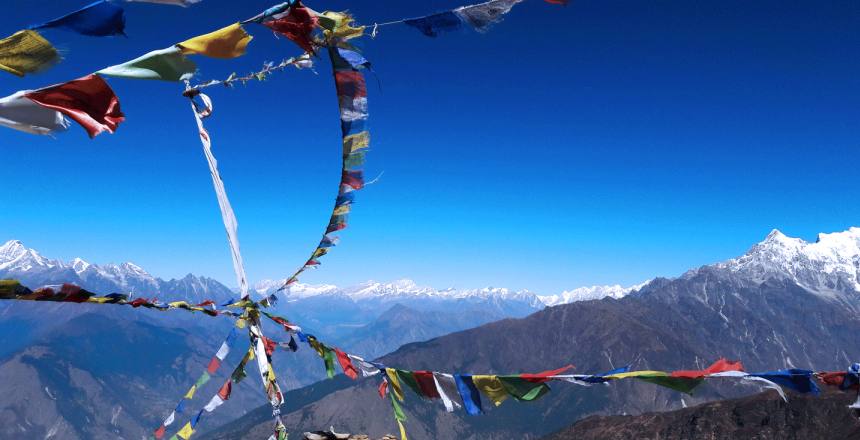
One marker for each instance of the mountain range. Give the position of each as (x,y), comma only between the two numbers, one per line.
(59,382)
(785,303)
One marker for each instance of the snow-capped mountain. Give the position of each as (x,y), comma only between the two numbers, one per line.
(34,270)
(828,266)
(590,293)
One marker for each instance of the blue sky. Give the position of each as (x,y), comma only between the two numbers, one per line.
(606,142)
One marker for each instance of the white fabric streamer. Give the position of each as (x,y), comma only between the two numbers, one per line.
(231,225)
(22,114)
(447,387)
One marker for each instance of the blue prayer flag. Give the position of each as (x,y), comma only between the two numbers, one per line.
(98,19)
(468,393)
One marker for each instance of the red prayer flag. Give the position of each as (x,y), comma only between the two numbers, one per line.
(226,390)
(346,364)
(139,302)
(270,346)
(159,433)
(719,366)
(383,388)
(298,26)
(88,100)
(214,365)
(353,179)
(832,378)
(208,302)
(426,383)
(350,83)
(557,2)
(544,376)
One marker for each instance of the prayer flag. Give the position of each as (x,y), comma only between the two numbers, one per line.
(433,25)
(19,113)
(426,384)
(491,387)
(720,366)
(346,364)
(228,42)
(98,19)
(186,432)
(394,383)
(298,25)
(165,64)
(795,379)
(447,389)
(482,16)
(523,389)
(88,100)
(26,52)
(468,394)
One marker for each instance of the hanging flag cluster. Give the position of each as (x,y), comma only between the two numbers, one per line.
(27,51)
(91,102)
(204,378)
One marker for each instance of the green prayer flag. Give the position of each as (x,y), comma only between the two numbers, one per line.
(398,412)
(203,379)
(681,384)
(409,379)
(522,389)
(329,363)
(165,64)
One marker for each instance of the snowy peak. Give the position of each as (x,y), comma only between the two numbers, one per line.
(15,256)
(27,265)
(831,263)
(591,293)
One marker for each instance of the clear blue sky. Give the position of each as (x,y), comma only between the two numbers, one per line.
(608,141)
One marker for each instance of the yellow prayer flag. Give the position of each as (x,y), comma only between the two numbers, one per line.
(648,373)
(341,210)
(98,299)
(394,383)
(26,52)
(339,25)
(190,394)
(229,42)
(402,430)
(492,387)
(355,142)
(186,432)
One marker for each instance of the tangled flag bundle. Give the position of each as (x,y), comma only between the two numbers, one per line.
(91,103)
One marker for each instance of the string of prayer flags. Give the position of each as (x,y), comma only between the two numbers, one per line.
(89,101)
(166,64)
(228,42)
(19,113)
(99,19)
(26,52)
(69,293)
(297,24)
(183,3)
(211,369)
(352,97)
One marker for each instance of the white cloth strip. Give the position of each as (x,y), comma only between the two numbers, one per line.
(22,114)
(231,225)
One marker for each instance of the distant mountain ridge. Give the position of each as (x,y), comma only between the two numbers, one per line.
(31,268)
